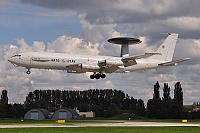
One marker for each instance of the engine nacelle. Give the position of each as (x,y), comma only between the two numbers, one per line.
(114,63)
(76,72)
(106,63)
(91,67)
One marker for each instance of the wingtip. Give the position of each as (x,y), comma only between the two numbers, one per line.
(169,33)
(187,58)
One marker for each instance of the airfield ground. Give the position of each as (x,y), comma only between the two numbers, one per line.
(110,124)
(90,126)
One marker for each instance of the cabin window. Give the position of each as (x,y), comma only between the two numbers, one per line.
(55,60)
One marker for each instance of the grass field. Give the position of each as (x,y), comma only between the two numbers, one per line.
(97,129)
(144,119)
(89,121)
(104,130)
(11,121)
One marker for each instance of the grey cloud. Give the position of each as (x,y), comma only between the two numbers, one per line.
(68,4)
(195,78)
(122,11)
(188,48)
(154,28)
(133,17)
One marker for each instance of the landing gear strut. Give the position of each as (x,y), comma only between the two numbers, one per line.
(97,76)
(28,72)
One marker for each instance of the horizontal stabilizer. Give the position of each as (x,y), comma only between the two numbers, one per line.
(173,63)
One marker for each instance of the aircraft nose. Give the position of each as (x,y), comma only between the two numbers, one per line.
(11,60)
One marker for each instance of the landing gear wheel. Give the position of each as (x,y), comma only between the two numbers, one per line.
(103,76)
(92,76)
(28,72)
(97,76)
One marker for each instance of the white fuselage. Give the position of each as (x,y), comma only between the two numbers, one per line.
(62,61)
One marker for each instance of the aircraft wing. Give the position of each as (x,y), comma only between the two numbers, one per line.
(73,66)
(131,60)
(109,66)
(173,63)
(94,67)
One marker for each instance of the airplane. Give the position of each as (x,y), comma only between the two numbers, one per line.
(100,65)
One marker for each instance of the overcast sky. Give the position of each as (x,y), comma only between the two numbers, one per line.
(84,26)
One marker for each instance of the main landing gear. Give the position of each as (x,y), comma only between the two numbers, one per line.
(28,72)
(97,76)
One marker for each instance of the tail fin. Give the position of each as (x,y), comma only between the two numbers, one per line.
(167,48)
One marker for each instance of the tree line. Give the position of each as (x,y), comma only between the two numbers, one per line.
(10,110)
(166,107)
(104,102)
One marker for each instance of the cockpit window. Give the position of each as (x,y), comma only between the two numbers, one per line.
(17,55)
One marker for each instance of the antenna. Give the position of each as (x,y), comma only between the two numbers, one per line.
(124,42)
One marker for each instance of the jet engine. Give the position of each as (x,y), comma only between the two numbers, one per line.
(107,63)
(88,66)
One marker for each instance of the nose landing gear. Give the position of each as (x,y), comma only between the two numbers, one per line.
(28,72)
(97,76)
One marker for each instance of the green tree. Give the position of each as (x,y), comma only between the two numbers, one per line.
(154,105)
(4,97)
(151,109)
(111,111)
(166,93)
(126,103)
(3,111)
(156,95)
(177,102)
(140,107)
(133,105)
(178,94)
(166,102)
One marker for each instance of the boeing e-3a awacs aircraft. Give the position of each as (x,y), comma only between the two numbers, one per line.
(100,65)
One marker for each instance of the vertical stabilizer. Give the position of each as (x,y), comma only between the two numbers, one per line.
(167,48)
